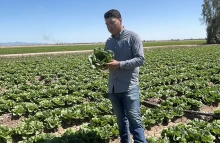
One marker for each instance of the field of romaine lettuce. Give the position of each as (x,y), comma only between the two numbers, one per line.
(61,99)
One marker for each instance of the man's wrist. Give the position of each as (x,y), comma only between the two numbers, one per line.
(121,64)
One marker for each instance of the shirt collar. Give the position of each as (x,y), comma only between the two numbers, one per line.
(122,31)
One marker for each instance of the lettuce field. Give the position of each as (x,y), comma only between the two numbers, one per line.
(61,99)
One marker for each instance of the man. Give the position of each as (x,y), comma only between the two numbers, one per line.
(123,84)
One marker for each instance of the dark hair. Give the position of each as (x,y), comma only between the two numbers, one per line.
(112,13)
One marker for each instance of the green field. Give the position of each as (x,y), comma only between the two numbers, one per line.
(62,91)
(168,43)
(21,50)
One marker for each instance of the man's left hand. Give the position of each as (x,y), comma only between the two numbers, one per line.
(113,65)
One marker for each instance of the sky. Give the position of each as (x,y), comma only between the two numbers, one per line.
(82,21)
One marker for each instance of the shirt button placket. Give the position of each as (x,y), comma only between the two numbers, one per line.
(116,43)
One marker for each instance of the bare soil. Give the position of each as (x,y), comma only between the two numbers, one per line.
(7,120)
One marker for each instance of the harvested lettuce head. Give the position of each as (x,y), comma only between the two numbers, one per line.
(99,57)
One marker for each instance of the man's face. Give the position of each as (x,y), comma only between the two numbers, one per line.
(113,25)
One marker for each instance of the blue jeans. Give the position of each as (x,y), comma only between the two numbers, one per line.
(126,107)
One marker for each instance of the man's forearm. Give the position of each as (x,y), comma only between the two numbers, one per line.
(132,63)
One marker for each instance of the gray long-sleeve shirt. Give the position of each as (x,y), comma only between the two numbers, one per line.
(128,50)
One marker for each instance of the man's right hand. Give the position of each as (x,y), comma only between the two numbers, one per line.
(105,67)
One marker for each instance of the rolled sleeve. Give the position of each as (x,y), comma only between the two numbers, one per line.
(138,53)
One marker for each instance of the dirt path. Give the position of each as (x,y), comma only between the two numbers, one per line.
(45,53)
(86,51)
(48,45)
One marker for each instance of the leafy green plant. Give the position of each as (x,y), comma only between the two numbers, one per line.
(195,131)
(217,112)
(19,110)
(31,107)
(99,57)
(39,138)
(5,134)
(28,129)
(52,122)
